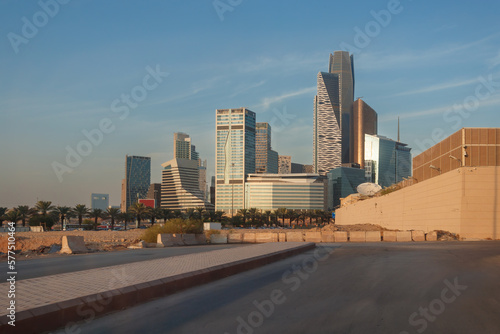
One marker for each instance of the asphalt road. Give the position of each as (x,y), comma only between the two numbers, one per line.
(68,263)
(446,287)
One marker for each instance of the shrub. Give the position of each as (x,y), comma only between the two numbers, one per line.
(177,225)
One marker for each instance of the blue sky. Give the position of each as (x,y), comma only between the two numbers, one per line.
(417,63)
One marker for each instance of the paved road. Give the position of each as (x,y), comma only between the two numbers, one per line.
(68,263)
(449,287)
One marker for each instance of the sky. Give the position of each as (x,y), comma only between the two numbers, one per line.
(83,83)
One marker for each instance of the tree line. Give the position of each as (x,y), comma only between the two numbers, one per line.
(45,214)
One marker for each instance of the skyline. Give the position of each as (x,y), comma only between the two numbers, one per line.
(67,77)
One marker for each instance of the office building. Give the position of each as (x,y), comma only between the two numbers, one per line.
(202,177)
(180,187)
(333,114)
(386,161)
(99,201)
(284,164)
(468,147)
(342,182)
(364,122)
(212,191)
(154,192)
(235,157)
(266,160)
(183,148)
(137,180)
(291,191)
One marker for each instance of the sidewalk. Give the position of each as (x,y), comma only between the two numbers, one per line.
(51,302)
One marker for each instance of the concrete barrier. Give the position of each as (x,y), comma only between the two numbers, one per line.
(373,236)
(234,238)
(357,236)
(36,228)
(266,237)
(403,236)
(218,239)
(177,239)
(294,237)
(201,239)
(282,237)
(340,236)
(431,236)
(327,236)
(249,238)
(73,245)
(189,239)
(312,237)
(389,236)
(417,235)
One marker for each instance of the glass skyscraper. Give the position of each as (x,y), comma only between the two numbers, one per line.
(137,179)
(332,125)
(266,160)
(235,156)
(386,161)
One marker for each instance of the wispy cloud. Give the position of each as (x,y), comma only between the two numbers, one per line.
(268,101)
(446,27)
(437,87)
(383,60)
(495,61)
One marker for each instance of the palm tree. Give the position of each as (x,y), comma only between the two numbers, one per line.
(219,215)
(201,211)
(140,211)
(244,214)
(155,213)
(96,214)
(126,217)
(2,213)
(253,213)
(266,215)
(176,214)
(12,216)
(62,212)
(292,215)
(25,212)
(189,213)
(112,213)
(44,208)
(80,210)
(281,212)
(166,214)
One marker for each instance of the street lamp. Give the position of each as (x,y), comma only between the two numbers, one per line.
(436,168)
(457,159)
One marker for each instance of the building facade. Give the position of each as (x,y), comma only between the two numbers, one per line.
(180,188)
(183,147)
(99,201)
(364,122)
(137,180)
(342,182)
(284,164)
(266,160)
(291,191)
(235,157)
(386,161)
(154,192)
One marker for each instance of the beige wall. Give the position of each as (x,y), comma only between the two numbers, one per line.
(464,201)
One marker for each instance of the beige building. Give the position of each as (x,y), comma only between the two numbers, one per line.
(284,164)
(465,201)
(471,147)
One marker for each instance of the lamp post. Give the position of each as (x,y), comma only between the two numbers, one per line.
(436,168)
(457,159)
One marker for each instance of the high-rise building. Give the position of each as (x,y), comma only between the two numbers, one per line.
(180,187)
(137,180)
(99,201)
(342,64)
(332,124)
(154,192)
(342,182)
(364,122)
(284,164)
(183,148)
(212,190)
(386,161)
(235,157)
(202,177)
(266,160)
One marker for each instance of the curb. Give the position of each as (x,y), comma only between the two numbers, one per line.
(65,314)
